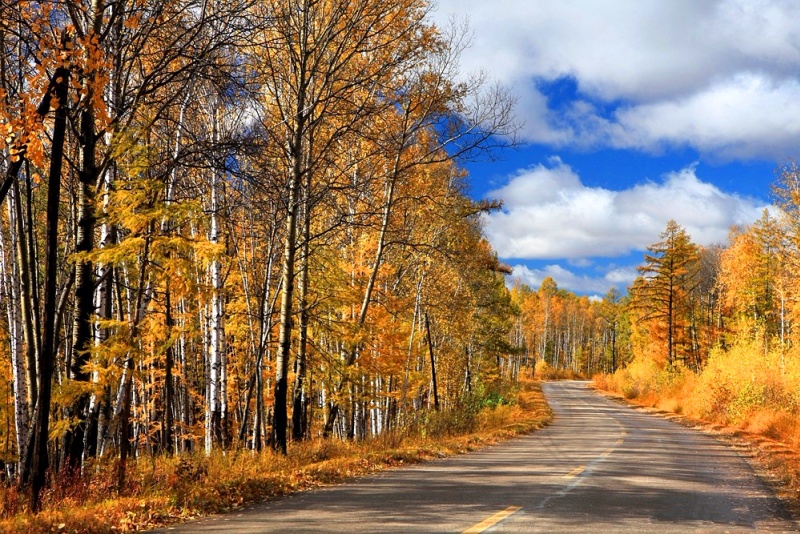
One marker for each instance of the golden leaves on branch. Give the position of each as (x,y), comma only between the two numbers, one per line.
(132,22)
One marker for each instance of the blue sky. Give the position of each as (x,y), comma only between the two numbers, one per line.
(635,112)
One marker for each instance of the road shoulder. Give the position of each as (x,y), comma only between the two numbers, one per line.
(772,461)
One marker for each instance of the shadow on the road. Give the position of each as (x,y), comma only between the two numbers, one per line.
(599,464)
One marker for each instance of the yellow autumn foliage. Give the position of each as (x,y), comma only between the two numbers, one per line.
(167,490)
(744,386)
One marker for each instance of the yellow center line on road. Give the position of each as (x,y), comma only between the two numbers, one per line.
(575,472)
(491,521)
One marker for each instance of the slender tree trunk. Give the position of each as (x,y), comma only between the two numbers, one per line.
(166,229)
(410,350)
(280,419)
(614,348)
(10,291)
(433,363)
(24,244)
(268,301)
(297,145)
(126,388)
(216,351)
(104,306)
(41,427)
(299,399)
(186,400)
(468,370)
(169,387)
(258,416)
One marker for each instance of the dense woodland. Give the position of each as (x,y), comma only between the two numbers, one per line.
(235,223)
(714,331)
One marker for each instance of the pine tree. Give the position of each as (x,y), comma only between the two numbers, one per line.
(660,295)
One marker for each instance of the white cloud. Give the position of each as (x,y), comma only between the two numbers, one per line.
(643,49)
(746,116)
(718,75)
(721,77)
(577,283)
(550,214)
(621,277)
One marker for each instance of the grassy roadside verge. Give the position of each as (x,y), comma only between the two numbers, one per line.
(775,462)
(170,490)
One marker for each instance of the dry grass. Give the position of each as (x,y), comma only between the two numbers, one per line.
(744,387)
(169,490)
(545,371)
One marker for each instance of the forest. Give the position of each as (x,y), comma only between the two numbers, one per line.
(689,307)
(237,224)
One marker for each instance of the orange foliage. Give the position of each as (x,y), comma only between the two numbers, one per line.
(167,490)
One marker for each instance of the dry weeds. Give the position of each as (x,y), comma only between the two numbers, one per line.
(168,490)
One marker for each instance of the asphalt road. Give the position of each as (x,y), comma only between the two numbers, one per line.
(600,467)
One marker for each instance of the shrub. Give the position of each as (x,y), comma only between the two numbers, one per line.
(744,386)
(545,371)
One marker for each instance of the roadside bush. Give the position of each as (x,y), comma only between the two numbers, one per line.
(461,420)
(641,379)
(739,382)
(744,386)
(545,371)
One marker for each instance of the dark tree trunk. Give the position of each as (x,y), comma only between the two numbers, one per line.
(84,288)
(280,419)
(84,269)
(299,395)
(433,363)
(169,389)
(39,461)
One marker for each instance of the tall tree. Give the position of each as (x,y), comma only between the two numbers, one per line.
(40,431)
(660,294)
(754,278)
(88,23)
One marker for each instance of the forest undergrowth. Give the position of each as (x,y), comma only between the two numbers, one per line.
(169,489)
(745,395)
(545,371)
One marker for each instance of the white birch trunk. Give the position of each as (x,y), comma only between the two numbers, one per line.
(11,296)
(216,350)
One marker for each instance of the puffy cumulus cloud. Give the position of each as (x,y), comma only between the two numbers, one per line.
(762,30)
(717,75)
(576,282)
(621,49)
(613,48)
(746,116)
(550,214)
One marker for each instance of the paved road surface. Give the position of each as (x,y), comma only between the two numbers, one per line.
(600,467)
